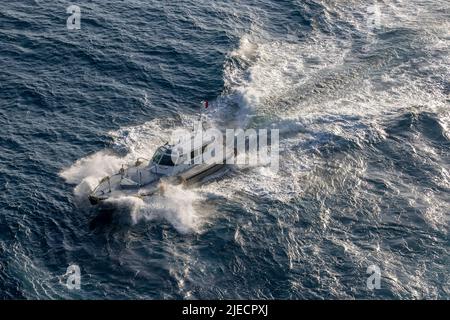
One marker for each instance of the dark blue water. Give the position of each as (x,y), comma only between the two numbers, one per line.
(363,113)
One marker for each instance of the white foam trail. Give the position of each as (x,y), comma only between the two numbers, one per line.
(324,75)
(321,87)
(272,68)
(247,49)
(97,165)
(87,172)
(176,206)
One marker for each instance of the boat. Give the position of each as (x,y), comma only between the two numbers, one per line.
(169,164)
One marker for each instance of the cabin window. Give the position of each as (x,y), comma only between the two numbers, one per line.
(166,160)
(163,157)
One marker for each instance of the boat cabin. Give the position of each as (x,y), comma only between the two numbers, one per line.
(168,159)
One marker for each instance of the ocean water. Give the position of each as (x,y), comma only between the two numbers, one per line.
(359,90)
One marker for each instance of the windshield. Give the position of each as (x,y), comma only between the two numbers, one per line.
(157,156)
(163,157)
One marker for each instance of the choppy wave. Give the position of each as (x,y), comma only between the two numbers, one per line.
(364,140)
